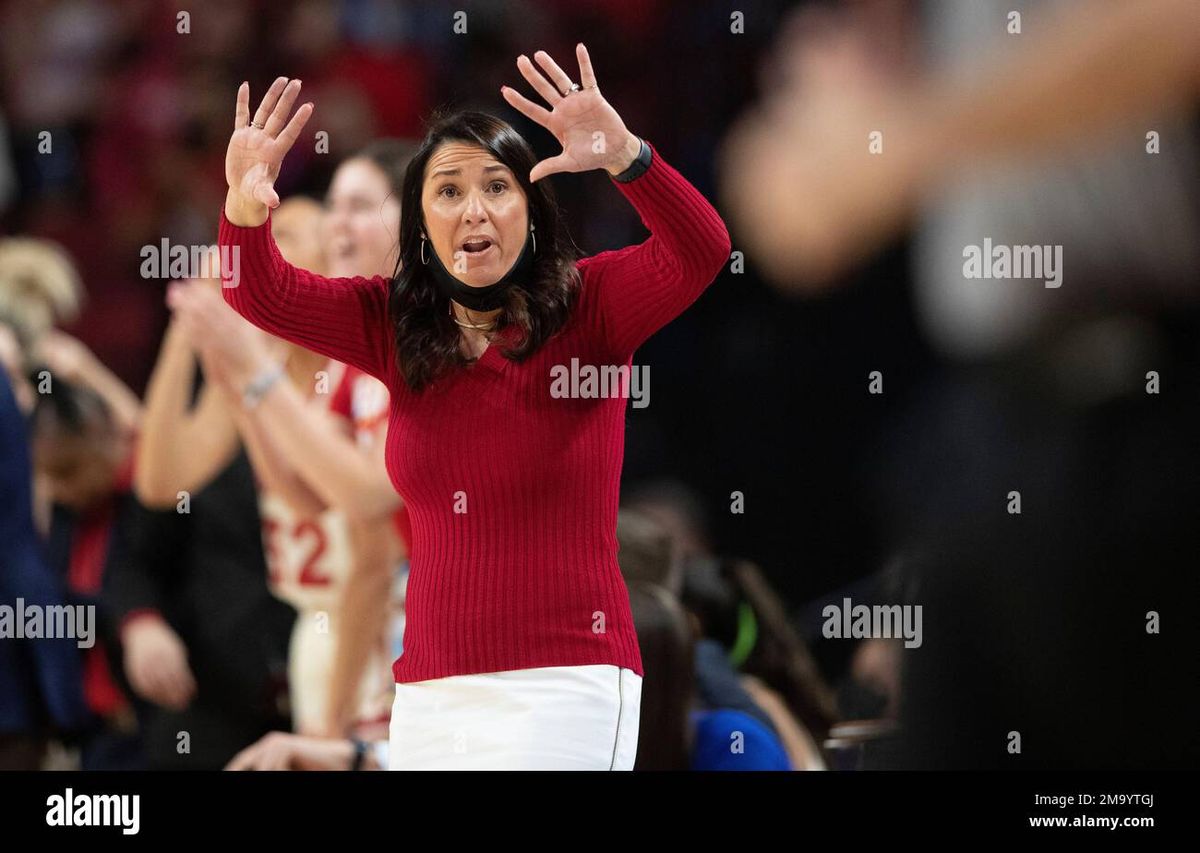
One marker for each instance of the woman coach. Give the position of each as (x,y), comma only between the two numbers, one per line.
(520,649)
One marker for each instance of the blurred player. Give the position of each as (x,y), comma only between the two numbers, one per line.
(325,562)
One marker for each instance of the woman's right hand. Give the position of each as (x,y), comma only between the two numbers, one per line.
(257,148)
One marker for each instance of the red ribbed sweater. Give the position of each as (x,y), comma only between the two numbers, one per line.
(527,575)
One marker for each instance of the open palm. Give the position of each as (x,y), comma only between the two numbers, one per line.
(256,149)
(591,133)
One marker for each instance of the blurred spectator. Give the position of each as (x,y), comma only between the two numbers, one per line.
(646,553)
(204,641)
(741,622)
(40,679)
(39,288)
(12,359)
(674,507)
(86,459)
(675,734)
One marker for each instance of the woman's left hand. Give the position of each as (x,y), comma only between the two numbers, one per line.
(588,128)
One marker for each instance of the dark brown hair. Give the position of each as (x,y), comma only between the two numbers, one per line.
(72,410)
(427,338)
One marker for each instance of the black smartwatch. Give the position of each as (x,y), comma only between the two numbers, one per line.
(638,167)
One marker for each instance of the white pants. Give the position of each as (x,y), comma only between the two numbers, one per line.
(547,718)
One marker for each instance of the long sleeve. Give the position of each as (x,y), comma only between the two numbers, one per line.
(636,291)
(343,318)
(138,577)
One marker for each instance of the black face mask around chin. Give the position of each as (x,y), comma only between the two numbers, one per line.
(488,297)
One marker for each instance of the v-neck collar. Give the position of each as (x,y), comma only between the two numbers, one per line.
(491,358)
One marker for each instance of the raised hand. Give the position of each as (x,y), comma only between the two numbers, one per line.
(591,133)
(256,148)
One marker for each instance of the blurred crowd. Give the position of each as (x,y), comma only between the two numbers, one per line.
(114,118)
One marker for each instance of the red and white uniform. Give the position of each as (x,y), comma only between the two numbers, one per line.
(309,561)
(365,402)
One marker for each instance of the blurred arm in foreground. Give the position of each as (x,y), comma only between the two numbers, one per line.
(810,200)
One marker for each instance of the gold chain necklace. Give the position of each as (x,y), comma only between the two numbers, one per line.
(490,327)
